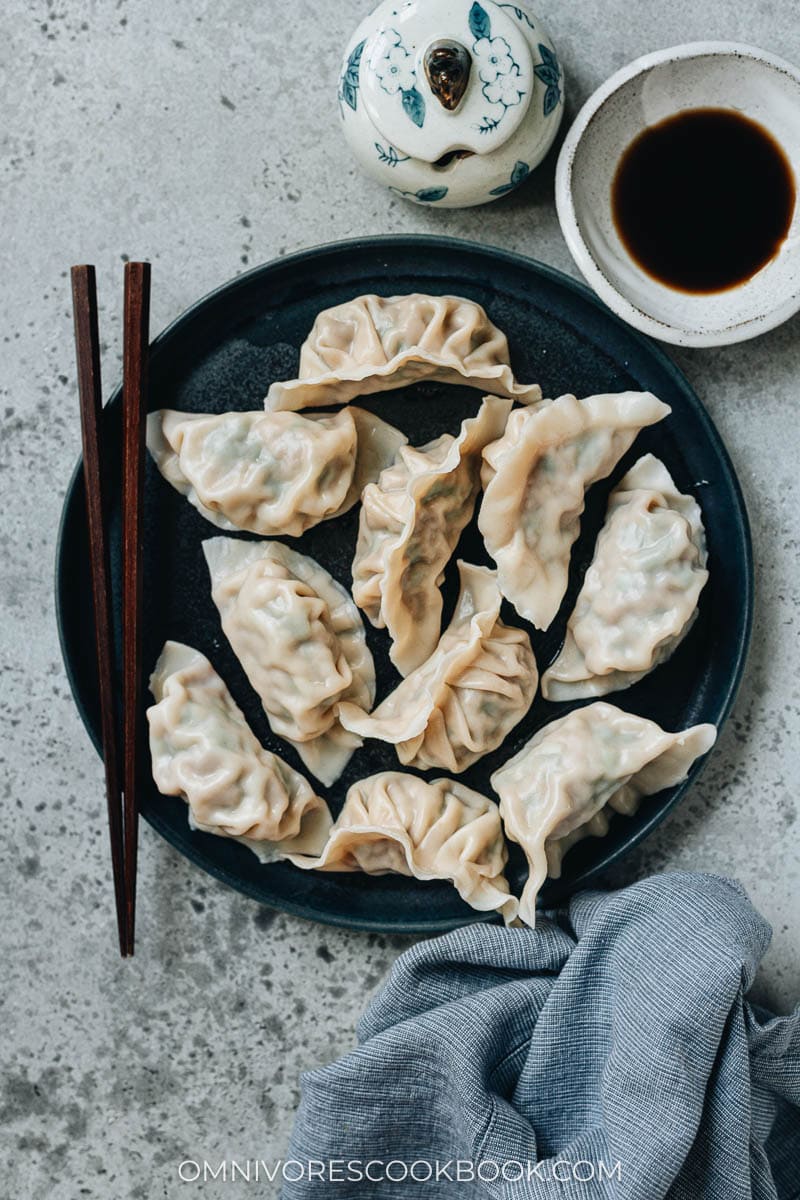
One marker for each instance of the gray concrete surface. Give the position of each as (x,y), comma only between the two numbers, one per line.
(204,136)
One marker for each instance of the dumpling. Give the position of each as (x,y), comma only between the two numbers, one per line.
(476,686)
(271,473)
(373,343)
(398,823)
(301,642)
(625,802)
(203,750)
(409,524)
(572,768)
(639,596)
(535,478)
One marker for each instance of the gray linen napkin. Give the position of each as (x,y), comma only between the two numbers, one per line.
(610,1052)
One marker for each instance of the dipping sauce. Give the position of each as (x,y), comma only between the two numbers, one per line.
(703,199)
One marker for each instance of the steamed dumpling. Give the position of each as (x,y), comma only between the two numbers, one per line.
(626,803)
(639,596)
(572,768)
(535,479)
(476,686)
(374,343)
(301,642)
(203,750)
(271,473)
(394,823)
(410,522)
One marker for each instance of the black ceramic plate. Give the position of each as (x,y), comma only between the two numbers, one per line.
(223,354)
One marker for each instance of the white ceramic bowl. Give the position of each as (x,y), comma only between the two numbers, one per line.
(697,75)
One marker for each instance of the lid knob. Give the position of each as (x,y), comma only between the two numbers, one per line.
(447,68)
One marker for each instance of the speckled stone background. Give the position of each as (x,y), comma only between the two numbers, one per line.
(204,136)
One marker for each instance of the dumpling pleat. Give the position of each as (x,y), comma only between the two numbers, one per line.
(373,343)
(301,643)
(640,594)
(555,790)
(397,823)
(535,478)
(203,750)
(461,703)
(271,473)
(409,524)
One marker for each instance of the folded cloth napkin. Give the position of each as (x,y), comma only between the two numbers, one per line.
(610,1052)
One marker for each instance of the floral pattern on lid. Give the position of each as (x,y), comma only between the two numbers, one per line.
(498,70)
(468,131)
(397,95)
(394,69)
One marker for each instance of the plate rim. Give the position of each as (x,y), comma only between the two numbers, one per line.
(556,894)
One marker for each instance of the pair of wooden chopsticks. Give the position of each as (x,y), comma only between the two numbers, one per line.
(120,737)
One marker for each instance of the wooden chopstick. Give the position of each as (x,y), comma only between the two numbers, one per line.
(87,351)
(134,409)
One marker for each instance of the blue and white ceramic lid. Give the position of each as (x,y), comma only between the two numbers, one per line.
(450,102)
(430,95)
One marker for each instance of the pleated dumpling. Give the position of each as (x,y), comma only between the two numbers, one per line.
(476,686)
(271,473)
(640,594)
(398,823)
(409,524)
(535,479)
(625,802)
(203,750)
(573,768)
(374,343)
(301,642)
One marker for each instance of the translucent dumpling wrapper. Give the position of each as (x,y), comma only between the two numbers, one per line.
(398,823)
(203,750)
(535,479)
(625,802)
(640,594)
(301,642)
(573,768)
(409,524)
(374,343)
(460,704)
(271,473)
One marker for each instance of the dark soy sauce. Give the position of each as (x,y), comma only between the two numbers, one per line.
(703,199)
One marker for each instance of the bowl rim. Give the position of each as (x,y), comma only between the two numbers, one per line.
(578,247)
